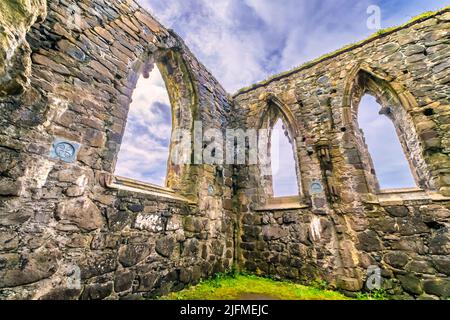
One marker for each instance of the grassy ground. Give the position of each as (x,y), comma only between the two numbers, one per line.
(245,287)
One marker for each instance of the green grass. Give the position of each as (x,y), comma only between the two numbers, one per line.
(235,287)
(374,295)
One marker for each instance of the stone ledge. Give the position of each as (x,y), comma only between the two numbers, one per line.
(126,184)
(282,203)
(400,196)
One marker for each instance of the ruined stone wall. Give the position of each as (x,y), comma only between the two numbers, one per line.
(342,222)
(61,218)
(16,19)
(64,216)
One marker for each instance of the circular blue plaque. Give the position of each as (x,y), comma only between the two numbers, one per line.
(316,187)
(64,150)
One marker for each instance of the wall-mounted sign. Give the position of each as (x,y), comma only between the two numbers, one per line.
(316,187)
(64,150)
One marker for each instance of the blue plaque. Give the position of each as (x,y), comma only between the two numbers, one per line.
(316,187)
(64,150)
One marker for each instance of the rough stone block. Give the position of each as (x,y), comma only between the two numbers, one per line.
(82,212)
(396,259)
(411,284)
(437,287)
(274,233)
(369,241)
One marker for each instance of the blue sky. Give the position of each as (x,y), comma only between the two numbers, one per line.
(245,41)
(388,157)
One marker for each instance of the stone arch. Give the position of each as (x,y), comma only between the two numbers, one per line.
(397,104)
(182,92)
(273,110)
(284,111)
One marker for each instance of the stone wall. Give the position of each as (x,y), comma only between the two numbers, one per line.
(336,232)
(16,19)
(59,217)
(64,216)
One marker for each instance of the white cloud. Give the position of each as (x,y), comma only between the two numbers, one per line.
(244,41)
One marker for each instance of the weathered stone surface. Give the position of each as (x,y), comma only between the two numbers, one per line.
(274,233)
(149,222)
(16,18)
(369,241)
(123,281)
(97,291)
(437,287)
(96,265)
(349,284)
(166,246)
(396,259)
(130,243)
(132,254)
(411,284)
(147,282)
(62,294)
(9,240)
(82,212)
(26,269)
(9,187)
(440,243)
(118,220)
(398,211)
(442,264)
(420,267)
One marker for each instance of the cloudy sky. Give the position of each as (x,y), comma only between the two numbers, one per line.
(145,147)
(245,41)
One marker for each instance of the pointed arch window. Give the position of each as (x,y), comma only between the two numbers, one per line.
(145,145)
(389,148)
(387,155)
(284,173)
(280,181)
(163,102)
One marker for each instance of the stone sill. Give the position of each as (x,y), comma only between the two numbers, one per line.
(400,196)
(282,203)
(126,184)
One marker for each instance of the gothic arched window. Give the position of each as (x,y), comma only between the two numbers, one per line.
(284,173)
(389,160)
(144,152)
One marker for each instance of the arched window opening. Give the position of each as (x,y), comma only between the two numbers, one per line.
(144,152)
(284,172)
(386,152)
